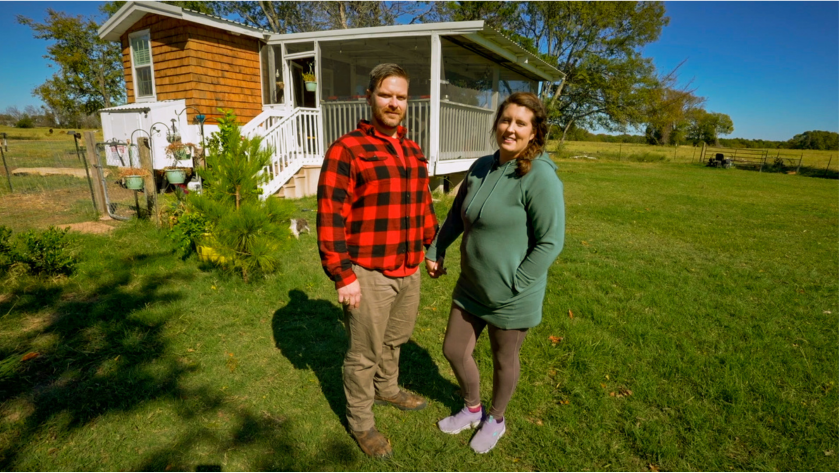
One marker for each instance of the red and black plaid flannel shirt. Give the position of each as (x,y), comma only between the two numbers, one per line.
(373,210)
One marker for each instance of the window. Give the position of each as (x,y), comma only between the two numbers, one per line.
(141,59)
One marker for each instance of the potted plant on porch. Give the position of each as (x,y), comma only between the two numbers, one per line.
(178,151)
(309,80)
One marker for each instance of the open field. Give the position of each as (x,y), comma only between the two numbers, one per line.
(685,154)
(694,313)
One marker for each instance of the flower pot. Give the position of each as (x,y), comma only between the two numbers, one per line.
(176,176)
(311,86)
(134,183)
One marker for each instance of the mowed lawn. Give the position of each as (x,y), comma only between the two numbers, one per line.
(691,323)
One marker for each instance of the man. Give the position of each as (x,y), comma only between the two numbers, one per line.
(375,216)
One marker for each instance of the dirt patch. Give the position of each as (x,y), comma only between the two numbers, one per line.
(89,227)
(22,211)
(75,172)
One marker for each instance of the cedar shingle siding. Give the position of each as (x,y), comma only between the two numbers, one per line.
(208,67)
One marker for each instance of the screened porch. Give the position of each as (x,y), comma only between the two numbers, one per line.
(458,78)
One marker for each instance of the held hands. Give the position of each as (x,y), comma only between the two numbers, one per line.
(350,295)
(435,268)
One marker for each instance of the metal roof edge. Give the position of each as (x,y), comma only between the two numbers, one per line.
(548,71)
(453,27)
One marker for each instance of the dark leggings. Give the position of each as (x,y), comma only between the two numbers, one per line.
(458,346)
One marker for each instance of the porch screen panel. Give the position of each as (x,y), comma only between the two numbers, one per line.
(345,68)
(467,92)
(511,82)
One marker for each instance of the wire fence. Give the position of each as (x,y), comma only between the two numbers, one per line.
(122,203)
(52,181)
(812,163)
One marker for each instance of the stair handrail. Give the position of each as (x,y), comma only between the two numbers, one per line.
(260,120)
(286,162)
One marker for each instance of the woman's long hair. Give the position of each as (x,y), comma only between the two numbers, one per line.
(539,123)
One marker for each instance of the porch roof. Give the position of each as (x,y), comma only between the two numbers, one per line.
(470,34)
(473,35)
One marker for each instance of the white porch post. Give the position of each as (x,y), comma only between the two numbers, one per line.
(495,87)
(319,77)
(287,81)
(434,115)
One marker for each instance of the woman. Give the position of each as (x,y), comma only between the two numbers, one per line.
(510,209)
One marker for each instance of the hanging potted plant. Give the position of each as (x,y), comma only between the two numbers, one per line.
(178,152)
(309,80)
(132,178)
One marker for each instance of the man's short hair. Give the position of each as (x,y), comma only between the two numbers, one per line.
(384,71)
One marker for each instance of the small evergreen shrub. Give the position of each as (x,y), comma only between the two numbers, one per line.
(247,232)
(25,122)
(187,230)
(41,253)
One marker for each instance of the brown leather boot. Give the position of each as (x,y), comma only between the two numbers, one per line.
(403,400)
(373,443)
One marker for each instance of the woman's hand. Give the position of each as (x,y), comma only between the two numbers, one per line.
(435,268)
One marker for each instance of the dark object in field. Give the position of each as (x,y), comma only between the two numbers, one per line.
(719,161)
(298,226)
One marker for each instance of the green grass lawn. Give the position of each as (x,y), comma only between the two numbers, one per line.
(693,316)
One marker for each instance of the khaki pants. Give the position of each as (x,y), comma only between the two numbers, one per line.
(383,321)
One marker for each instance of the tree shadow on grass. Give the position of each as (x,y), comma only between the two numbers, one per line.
(70,357)
(94,358)
(310,333)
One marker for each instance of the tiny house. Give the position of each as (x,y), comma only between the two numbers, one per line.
(301,91)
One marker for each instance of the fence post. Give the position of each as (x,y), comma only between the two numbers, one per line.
(150,188)
(763,159)
(676,147)
(703,152)
(800,162)
(619,151)
(827,165)
(98,194)
(8,175)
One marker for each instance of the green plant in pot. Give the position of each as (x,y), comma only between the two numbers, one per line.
(247,234)
(310,82)
(132,178)
(178,152)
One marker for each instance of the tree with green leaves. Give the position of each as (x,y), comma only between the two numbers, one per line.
(706,127)
(667,109)
(89,72)
(598,46)
(823,140)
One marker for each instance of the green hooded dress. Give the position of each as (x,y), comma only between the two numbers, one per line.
(512,232)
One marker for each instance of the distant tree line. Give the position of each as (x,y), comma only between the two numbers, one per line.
(32,116)
(816,140)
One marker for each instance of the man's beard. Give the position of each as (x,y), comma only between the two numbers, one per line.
(387,120)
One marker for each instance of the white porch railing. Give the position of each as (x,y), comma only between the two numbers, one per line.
(465,131)
(297,141)
(263,122)
(342,117)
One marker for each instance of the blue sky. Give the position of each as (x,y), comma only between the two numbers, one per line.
(771,66)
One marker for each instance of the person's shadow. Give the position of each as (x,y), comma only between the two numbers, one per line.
(310,333)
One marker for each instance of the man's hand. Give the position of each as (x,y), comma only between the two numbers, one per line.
(350,295)
(435,268)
